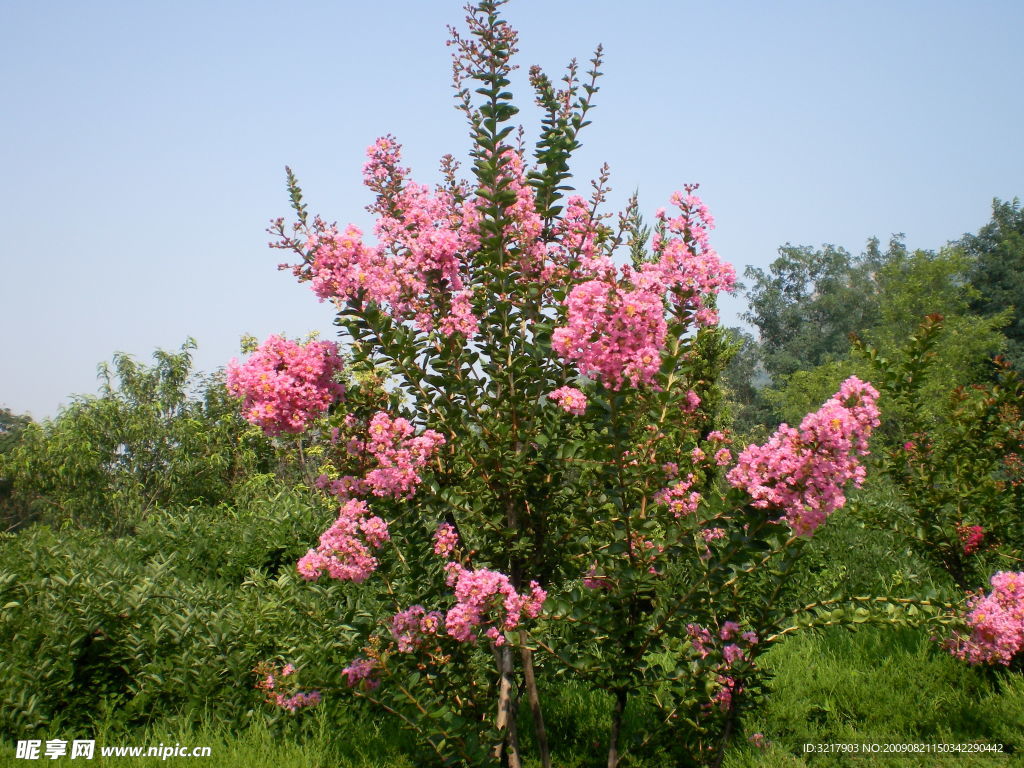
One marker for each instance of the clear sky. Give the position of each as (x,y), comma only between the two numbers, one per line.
(143,143)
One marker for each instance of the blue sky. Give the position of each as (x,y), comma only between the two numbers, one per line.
(143,144)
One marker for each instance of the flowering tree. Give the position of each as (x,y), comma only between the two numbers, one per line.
(528,468)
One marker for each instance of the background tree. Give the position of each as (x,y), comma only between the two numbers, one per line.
(997,270)
(808,302)
(154,437)
(11,427)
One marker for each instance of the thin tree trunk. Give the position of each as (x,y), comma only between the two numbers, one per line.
(730,722)
(533,696)
(613,746)
(507,750)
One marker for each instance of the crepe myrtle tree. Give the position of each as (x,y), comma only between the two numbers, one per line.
(527,469)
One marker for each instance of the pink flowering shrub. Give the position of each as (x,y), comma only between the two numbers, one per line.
(285,384)
(618,544)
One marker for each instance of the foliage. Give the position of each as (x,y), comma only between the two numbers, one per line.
(910,286)
(956,461)
(11,427)
(809,301)
(881,687)
(997,270)
(744,381)
(168,620)
(146,442)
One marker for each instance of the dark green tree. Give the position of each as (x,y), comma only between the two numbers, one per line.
(809,301)
(997,270)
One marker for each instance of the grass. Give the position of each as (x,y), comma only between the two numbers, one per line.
(875,686)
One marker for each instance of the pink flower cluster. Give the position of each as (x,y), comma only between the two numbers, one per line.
(576,242)
(398,454)
(593,579)
(615,328)
(692,269)
(360,673)
(692,402)
(344,550)
(804,471)
(613,333)
(286,384)
(487,597)
(570,400)
(971,536)
(411,626)
(270,677)
(446,539)
(678,497)
(996,621)
(522,233)
(730,647)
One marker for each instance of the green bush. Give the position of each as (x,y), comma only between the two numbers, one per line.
(173,620)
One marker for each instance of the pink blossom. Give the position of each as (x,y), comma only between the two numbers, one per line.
(678,497)
(360,673)
(971,536)
(712,534)
(398,455)
(803,472)
(411,626)
(729,630)
(487,597)
(570,400)
(613,333)
(268,684)
(616,323)
(732,653)
(417,270)
(996,623)
(445,539)
(342,554)
(692,402)
(286,384)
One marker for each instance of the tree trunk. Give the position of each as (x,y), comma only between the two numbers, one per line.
(507,750)
(613,746)
(534,698)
